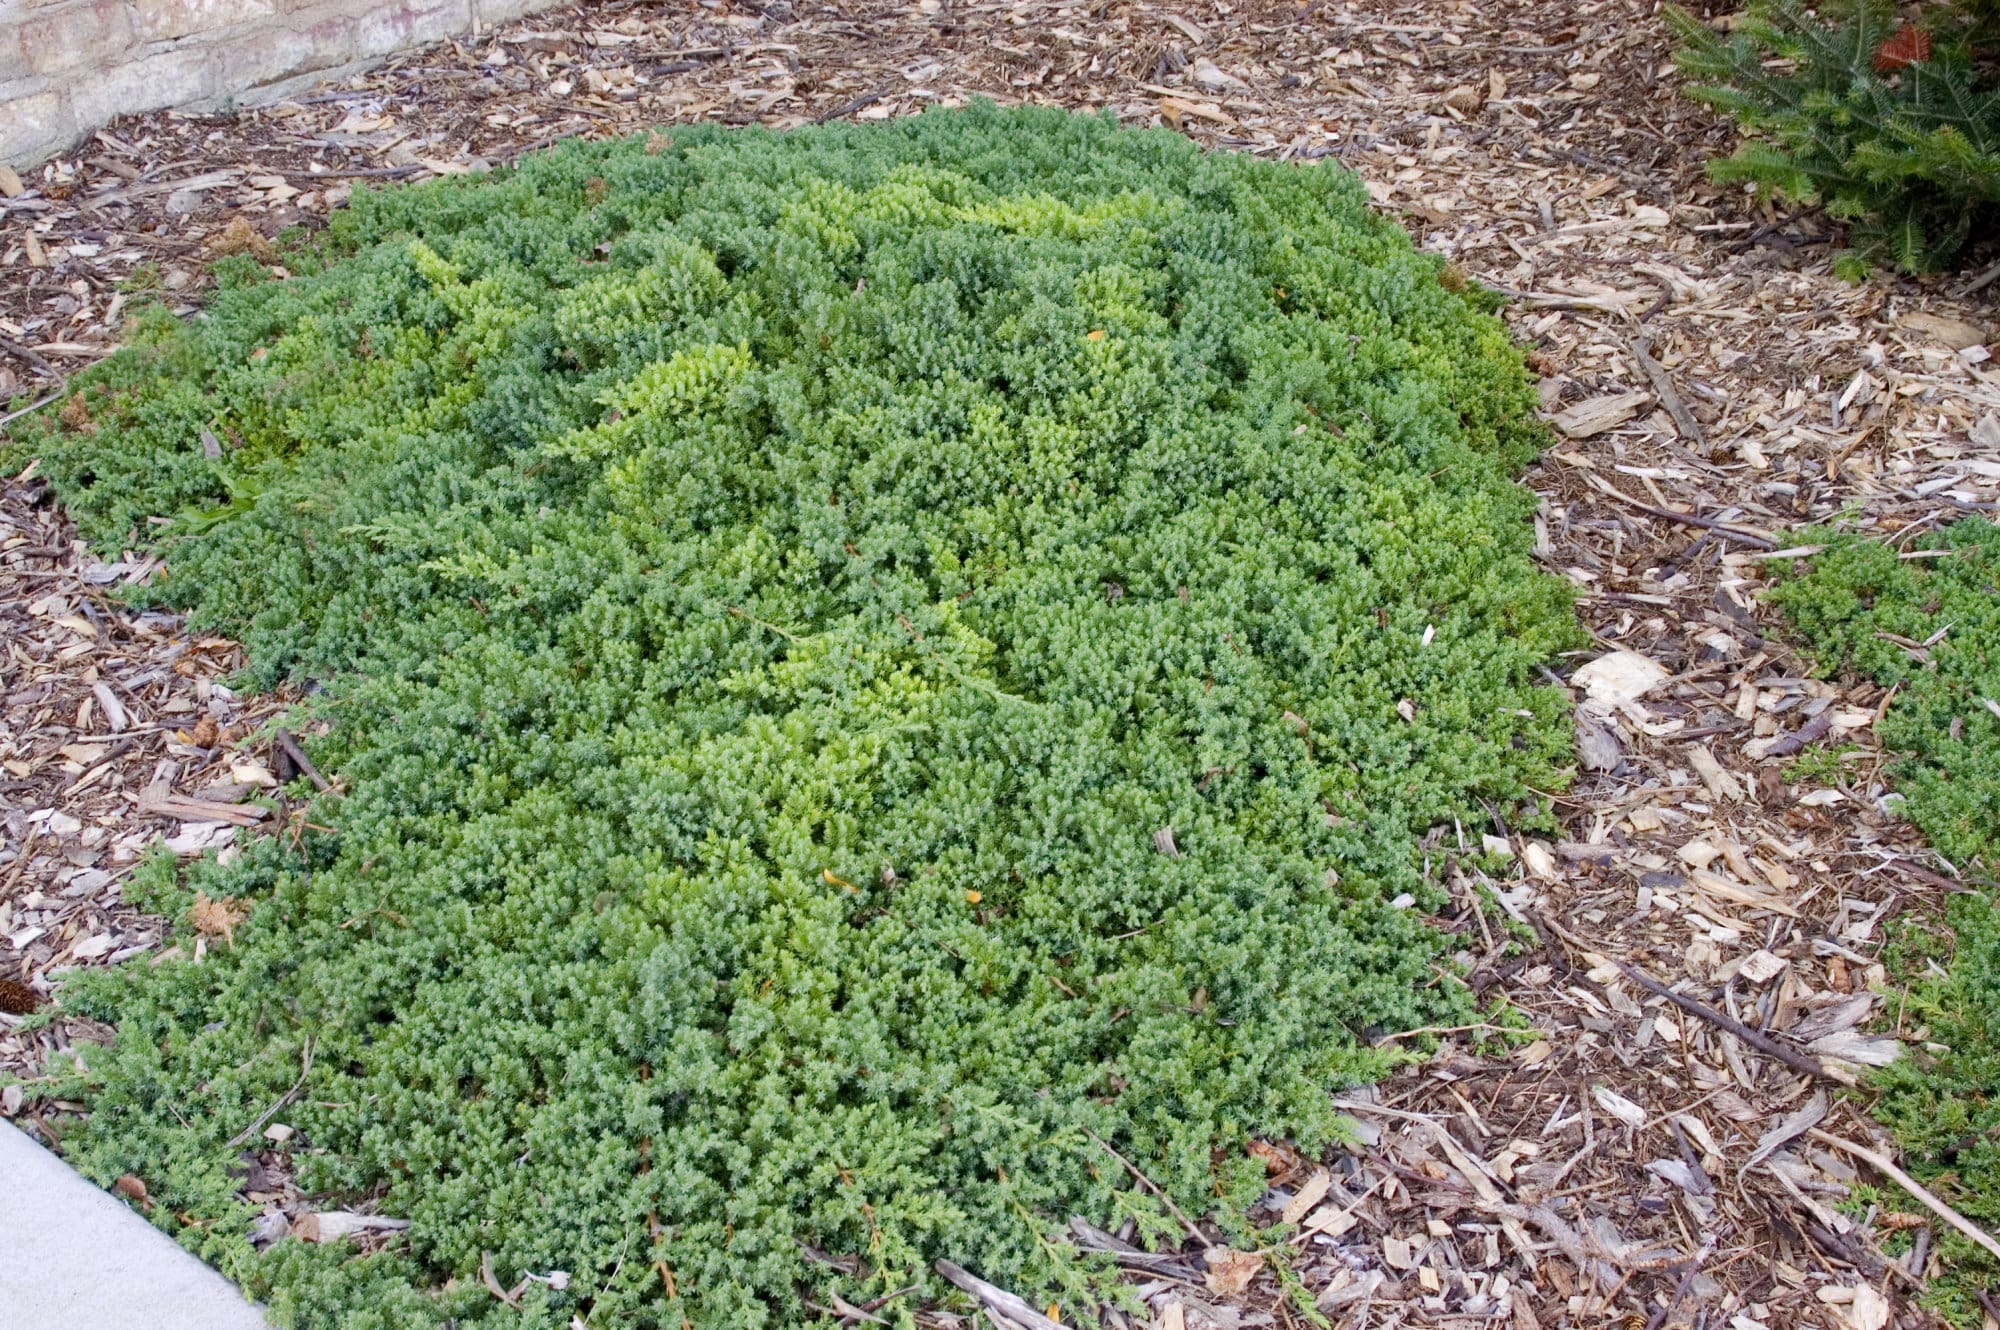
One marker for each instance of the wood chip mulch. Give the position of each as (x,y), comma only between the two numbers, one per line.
(1676,1144)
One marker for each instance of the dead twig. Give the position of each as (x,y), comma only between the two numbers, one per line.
(1663,387)
(846,109)
(354,173)
(1812,731)
(34,359)
(288,744)
(1152,1187)
(512,1297)
(20,861)
(305,1069)
(996,1299)
(1741,537)
(1757,1039)
(1886,1166)
(1979,282)
(1672,1304)
(1926,876)
(1091,1238)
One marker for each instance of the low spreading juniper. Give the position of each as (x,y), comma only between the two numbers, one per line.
(769,591)
(1863,606)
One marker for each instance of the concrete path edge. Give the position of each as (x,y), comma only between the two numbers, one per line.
(73,1257)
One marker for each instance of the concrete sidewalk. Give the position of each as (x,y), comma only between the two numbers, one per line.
(75,1258)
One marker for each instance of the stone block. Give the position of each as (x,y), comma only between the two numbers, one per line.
(492,13)
(68,66)
(381,29)
(84,34)
(14,66)
(164,20)
(167,78)
(34,127)
(25,86)
(319,39)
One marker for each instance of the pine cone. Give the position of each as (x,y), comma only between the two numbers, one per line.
(17,999)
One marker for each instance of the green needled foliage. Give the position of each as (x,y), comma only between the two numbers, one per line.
(1852,603)
(771,591)
(1893,125)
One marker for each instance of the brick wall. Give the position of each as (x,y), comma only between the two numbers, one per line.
(68,66)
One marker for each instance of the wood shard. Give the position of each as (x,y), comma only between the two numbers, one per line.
(1587,419)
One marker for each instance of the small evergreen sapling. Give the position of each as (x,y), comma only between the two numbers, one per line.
(1892,124)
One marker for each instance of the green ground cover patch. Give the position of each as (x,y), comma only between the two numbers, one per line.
(770,592)
(1853,603)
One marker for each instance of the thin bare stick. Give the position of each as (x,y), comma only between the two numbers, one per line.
(35,359)
(1757,1039)
(1152,1187)
(297,754)
(995,1299)
(1666,1310)
(1979,283)
(1663,386)
(846,109)
(492,1282)
(1886,1166)
(21,860)
(1741,537)
(304,1070)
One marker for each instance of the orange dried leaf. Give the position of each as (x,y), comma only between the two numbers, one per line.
(1230,1271)
(1907,47)
(1276,1159)
(218,918)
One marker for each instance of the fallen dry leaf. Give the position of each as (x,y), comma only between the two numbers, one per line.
(218,918)
(1619,677)
(1277,1159)
(1464,99)
(1954,333)
(1230,1271)
(240,237)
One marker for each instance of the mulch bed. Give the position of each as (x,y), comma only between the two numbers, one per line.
(1646,1160)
